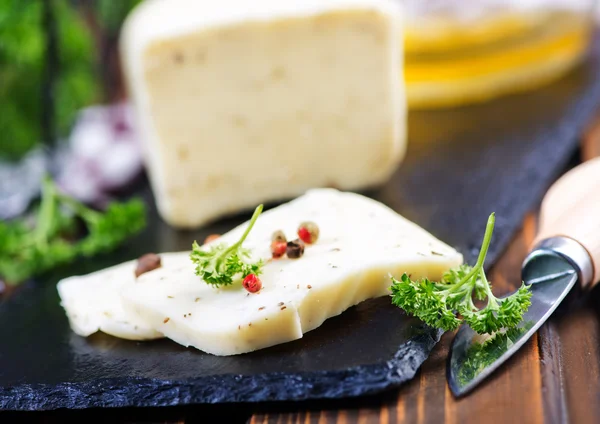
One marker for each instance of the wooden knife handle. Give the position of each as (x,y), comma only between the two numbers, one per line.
(571,208)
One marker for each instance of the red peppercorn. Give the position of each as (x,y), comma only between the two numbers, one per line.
(211,237)
(278,249)
(304,234)
(252,283)
(308,232)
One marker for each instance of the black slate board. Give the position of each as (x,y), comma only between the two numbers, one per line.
(461,165)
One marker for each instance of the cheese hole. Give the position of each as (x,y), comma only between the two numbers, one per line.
(277,73)
(239,121)
(183,153)
(178,58)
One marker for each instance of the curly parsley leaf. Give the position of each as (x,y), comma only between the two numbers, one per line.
(28,249)
(438,303)
(222,264)
(108,229)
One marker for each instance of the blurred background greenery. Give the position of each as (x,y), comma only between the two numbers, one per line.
(56,56)
(59,56)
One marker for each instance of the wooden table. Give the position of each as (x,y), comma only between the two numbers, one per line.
(554,378)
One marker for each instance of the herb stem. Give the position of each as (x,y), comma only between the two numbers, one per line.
(472,274)
(86,213)
(221,264)
(492,300)
(235,246)
(438,303)
(255,215)
(487,238)
(46,212)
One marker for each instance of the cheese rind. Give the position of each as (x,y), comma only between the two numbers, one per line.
(92,302)
(361,243)
(290,95)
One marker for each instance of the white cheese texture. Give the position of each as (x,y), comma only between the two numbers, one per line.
(361,243)
(92,302)
(241,102)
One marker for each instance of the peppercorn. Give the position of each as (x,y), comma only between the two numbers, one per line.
(278,248)
(147,263)
(211,237)
(278,236)
(295,249)
(308,232)
(252,283)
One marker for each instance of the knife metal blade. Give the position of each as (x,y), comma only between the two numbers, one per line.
(552,270)
(567,253)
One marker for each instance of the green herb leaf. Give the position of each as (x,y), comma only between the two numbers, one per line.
(29,250)
(437,303)
(109,229)
(222,264)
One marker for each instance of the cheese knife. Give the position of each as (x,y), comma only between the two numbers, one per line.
(565,253)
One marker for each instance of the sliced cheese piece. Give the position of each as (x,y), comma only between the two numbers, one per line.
(361,242)
(92,301)
(291,95)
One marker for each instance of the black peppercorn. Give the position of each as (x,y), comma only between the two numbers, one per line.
(147,263)
(295,249)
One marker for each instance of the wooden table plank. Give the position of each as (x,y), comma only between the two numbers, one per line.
(569,343)
(579,358)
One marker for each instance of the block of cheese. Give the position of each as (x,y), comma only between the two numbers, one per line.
(243,102)
(361,243)
(92,301)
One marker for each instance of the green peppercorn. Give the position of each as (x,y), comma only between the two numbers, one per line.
(278,236)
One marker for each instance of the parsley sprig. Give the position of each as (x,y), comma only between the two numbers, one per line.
(29,248)
(437,303)
(222,264)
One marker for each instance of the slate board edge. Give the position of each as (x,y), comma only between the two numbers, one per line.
(115,393)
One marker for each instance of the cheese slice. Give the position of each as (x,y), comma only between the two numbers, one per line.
(290,95)
(92,301)
(361,243)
